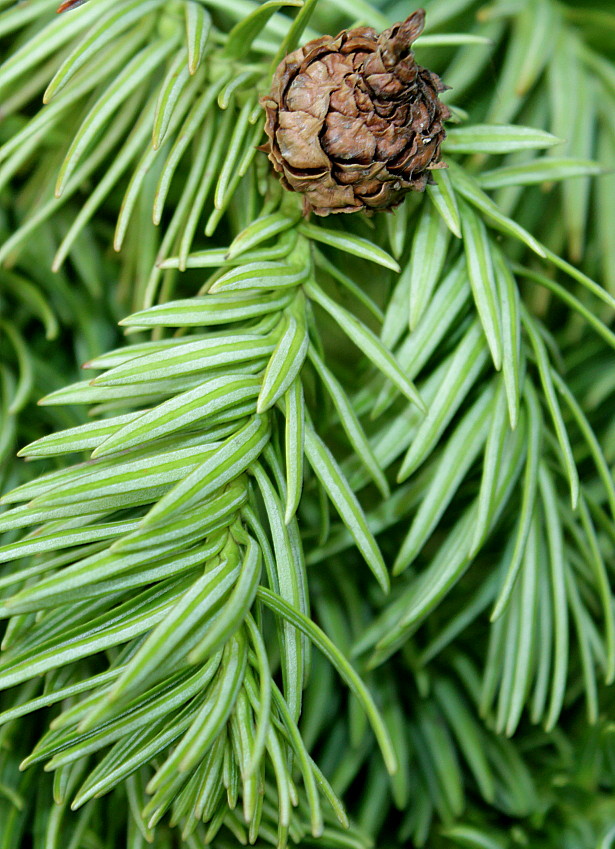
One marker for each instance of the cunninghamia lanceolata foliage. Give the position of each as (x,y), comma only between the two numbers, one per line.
(428,394)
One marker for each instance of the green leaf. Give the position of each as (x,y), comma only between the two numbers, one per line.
(343,667)
(157,702)
(571,92)
(59,695)
(544,368)
(182,411)
(494,447)
(605,199)
(210,146)
(263,730)
(260,230)
(240,38)
(519,651)
(170,92)
(168,638)
(482,280)
(438,757)
(105,64)
(246,155)
(461,450)
(96,574)
(349,243)
(538,171)
(558,591)
(582,278)
(218,512)
(112,478)
(32,295)
(63,539)
(467,734)
(508,294)
(395,322)
(293,36)
(603,587)
(124,158)
(593,444)
(442,312)
(135,72)
(366,341)
(229,91)
(534,34)
(472,837)
(216,257)
(450,39)
(47,41)
(465,365)
(110,629)
(235,609)
(256,276)
(568,298)
(192,123)
(105,31)
(350,423)
(198,29)
(213,715)
(472,193)
(426,261)
(397,228)
(528,496)
(208,310)
(321,261)
(291,588)
(25,380)
(544,641)
(442,195)
(304,761)
(286,361)
(177,358)
(497,138)
(345,502)
(580,617)
(294,411)
(403,616)
(229,460)
(234,151)
(126,353)
(131,753)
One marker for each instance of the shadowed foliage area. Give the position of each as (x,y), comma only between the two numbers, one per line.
(318,549)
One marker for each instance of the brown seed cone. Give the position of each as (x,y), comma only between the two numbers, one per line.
(353,122)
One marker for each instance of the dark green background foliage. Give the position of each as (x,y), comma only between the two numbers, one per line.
(336,496)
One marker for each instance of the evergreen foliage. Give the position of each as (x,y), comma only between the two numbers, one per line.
(320,549)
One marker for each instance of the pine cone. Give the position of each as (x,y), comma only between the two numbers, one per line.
(353,122)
